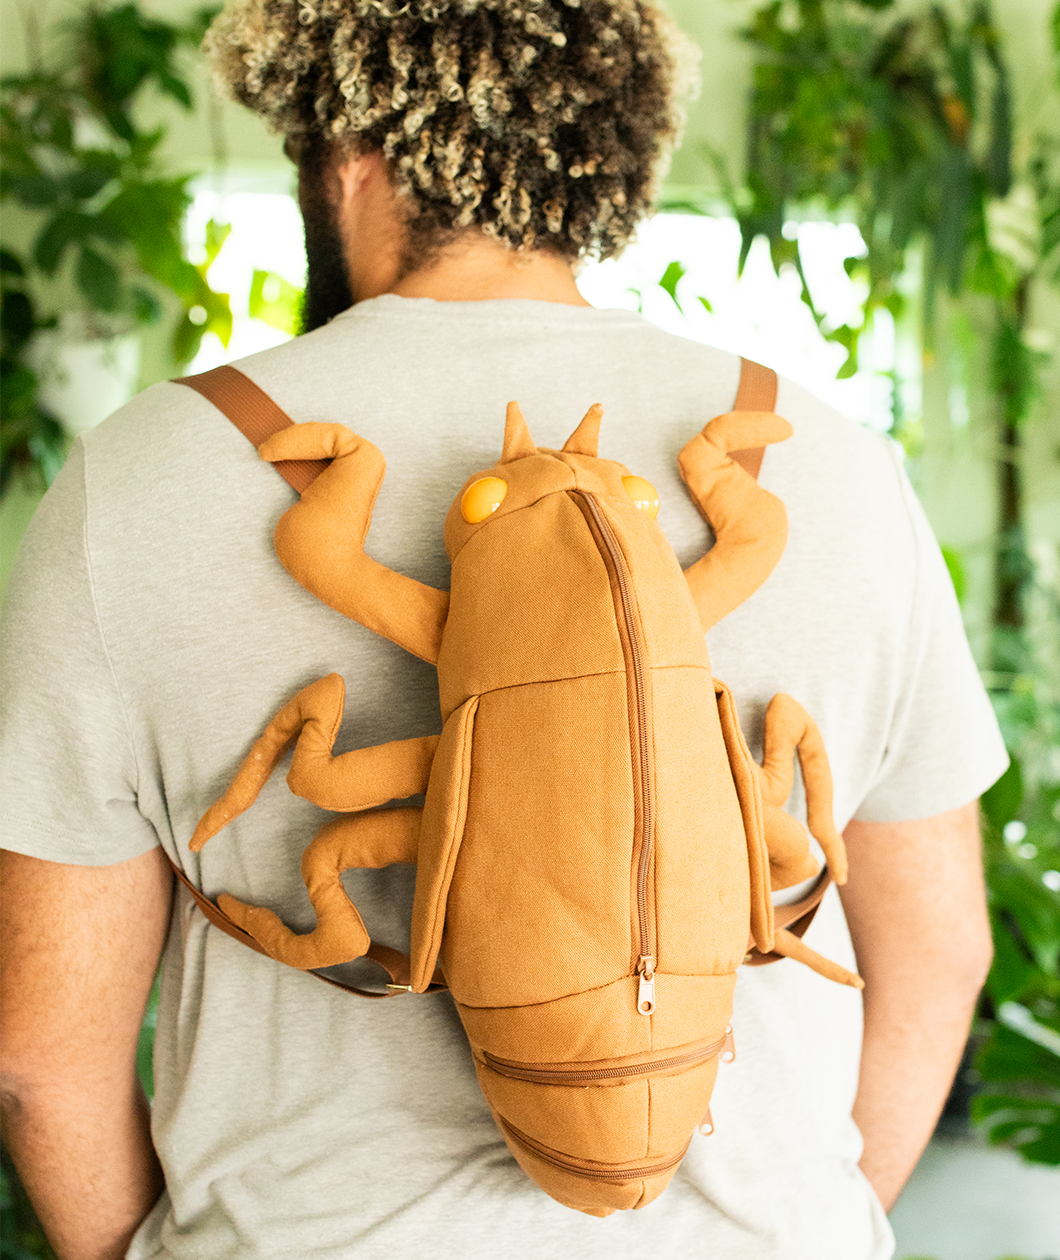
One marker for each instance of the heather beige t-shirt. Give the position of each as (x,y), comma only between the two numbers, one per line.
(151,634)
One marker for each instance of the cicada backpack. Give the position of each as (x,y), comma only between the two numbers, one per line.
(590,792)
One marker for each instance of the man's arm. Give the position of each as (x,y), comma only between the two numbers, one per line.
(80,945)
(916,906)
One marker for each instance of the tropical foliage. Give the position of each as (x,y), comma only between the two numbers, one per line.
(21,1237)
(108,218)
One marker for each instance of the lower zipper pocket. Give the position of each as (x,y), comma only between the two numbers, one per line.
(560,1074)
(584,1168)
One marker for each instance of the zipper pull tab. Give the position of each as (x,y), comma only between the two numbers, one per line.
(706,1125)
(728,1050)
(646,987)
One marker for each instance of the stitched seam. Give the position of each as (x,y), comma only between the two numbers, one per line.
(99,622)
(24,823)
(600,673)
(608,984)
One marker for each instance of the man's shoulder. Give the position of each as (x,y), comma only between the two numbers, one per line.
(833,453)
(374,364)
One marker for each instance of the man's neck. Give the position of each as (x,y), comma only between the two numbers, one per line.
(370,221)
(478,269)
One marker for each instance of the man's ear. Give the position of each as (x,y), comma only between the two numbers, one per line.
(356,174)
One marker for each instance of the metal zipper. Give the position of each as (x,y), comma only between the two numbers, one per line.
(645,969)
(556,1074)
(593,1174)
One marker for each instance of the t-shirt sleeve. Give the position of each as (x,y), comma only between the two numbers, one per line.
(68,774)
(944,747)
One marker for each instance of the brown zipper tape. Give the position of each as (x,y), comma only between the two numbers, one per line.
(579,1169)
(630,633)
(557,1074)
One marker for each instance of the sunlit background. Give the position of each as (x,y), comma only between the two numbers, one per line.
(758,314)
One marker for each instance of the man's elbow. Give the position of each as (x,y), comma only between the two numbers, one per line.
(31,1077)
(965,959)
(27,1057)
(17,1094)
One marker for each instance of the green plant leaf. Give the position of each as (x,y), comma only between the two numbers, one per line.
(706,305)
(1002,801)
(48,446)
(276,302)
(17,319)
(85,183)
(18,386)
(669,281)
(148,213)
(62,230)
(216,235)
(1017,888)
(119,50)
(955,566)
(10,1250)
(1019,1105)
(146,1042)
(98,280)
(198,24)
(146,307)
(35,191)
(11,264)
(1012,970)
(1009,1057)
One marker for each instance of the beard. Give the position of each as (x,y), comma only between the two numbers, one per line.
(327,291)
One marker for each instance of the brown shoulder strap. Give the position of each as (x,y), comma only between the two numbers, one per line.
(255,415)
(796,917)
(396,965)
(757,391)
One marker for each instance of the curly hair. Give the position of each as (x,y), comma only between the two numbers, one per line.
(540,122)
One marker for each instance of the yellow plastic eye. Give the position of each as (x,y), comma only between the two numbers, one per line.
(482,498)
(643,494)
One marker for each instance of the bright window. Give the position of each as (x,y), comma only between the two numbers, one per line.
(758,314)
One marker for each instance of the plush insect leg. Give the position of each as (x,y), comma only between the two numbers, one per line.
(749,523)
(790,859)
(790,729)
(321,540)
(356,780)
(792,946)
(375,839)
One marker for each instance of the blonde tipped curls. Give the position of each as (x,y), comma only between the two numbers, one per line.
(542,122)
